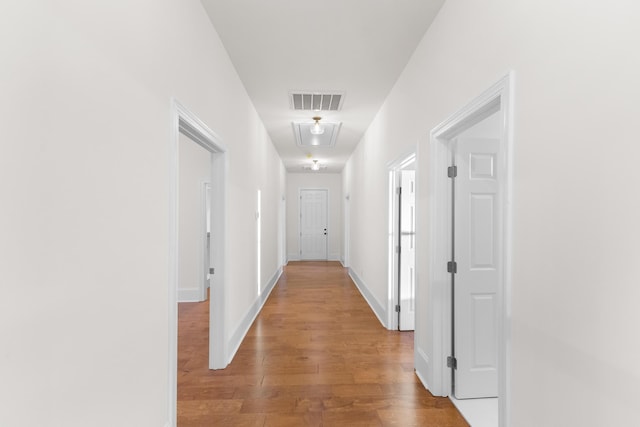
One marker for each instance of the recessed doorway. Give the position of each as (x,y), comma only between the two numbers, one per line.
(469,257)
(187,125)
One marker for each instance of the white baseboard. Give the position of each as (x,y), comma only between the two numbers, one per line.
(189,295)
(377,308)
(251,314)
(331,257)
(421,362)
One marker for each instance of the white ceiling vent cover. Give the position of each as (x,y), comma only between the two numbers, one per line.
(316,101)
(304,137)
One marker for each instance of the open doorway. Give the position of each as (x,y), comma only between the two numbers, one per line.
(194,220)
(469,259)
(191,135)
(402,243)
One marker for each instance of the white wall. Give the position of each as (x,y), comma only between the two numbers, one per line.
(84,173)
(194,171)
(575,270)
(329,181)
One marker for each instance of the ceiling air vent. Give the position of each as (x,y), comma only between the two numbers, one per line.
(316,101)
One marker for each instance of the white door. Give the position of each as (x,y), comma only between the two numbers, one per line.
(476,282)
(313,224)
(407,253)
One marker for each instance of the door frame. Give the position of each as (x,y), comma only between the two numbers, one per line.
(185,122)
(394,237)
(300,190)
(497,99)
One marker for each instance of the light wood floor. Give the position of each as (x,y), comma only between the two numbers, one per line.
(315,356)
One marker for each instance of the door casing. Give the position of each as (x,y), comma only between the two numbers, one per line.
(185,122)
(498,98)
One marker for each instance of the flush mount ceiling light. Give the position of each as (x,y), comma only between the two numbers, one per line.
(305,136)
(317,128)
(314,166)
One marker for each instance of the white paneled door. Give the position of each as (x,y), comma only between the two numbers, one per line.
(313,224)
(407,258)
(476,246)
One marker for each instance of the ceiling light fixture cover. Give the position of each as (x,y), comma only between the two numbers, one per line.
(317,128)
(306,138)
(315,166)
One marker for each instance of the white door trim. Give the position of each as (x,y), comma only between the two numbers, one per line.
(185,122)
(498,98)
(394,239)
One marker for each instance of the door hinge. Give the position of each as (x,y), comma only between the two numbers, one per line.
(398,190)
(452,362)
(398,249)
(212,270)
(452,171)
(452,267)
(398,308)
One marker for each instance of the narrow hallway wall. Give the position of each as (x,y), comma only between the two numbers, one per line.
(87,90)
(575,231)
(329,181)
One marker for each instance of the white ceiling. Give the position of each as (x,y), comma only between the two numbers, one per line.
(358,47)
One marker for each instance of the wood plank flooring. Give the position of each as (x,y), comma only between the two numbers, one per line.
(315,356)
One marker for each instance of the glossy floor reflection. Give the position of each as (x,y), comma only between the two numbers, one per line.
(315,356)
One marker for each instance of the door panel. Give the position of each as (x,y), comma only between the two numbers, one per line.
(477,278)
(313,224)
(407,292)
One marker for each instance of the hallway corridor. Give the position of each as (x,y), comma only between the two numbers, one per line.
(315,356)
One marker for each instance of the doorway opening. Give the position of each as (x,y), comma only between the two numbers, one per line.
(470,249)
(187,127)
(402,243)
(314,224)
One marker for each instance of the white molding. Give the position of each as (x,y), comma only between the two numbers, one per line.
(376,307)
(190,295)
(421,361)
(250,316)
(498,98)
(184,121)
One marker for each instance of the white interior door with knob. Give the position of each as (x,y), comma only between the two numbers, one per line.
(407,255)
(313,224)
(477,280)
